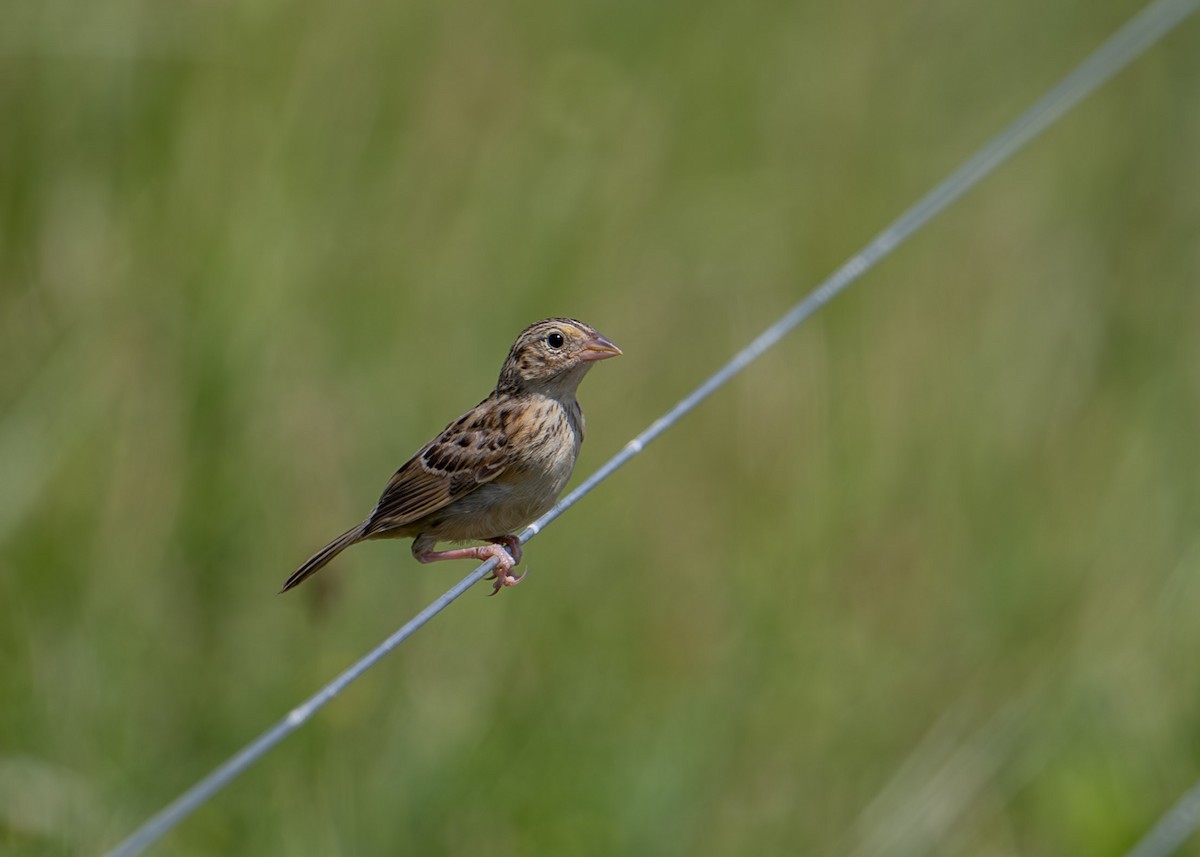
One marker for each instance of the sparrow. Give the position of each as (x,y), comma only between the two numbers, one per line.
(496,468)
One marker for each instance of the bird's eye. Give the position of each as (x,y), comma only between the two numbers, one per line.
(555,340)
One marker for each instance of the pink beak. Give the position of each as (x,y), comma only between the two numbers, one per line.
(598,349)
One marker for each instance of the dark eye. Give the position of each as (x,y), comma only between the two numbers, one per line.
(555,340)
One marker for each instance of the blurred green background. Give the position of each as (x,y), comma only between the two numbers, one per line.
(925,580)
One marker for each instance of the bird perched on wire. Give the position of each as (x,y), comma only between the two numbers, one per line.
(497,467)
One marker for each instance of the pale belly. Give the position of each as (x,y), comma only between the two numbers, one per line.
(523,493)
(498,508)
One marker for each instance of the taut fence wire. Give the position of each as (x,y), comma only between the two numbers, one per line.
(1172,830)
(1134,38)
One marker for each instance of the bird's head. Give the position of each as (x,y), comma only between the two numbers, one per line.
(553,355)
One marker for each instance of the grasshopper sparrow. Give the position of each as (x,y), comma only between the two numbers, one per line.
(497,467)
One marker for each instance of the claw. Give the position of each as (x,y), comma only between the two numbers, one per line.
(505,580)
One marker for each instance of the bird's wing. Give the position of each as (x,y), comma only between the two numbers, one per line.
(471,451)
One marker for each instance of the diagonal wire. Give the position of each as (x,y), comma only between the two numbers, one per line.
(1139,33)
(1173,829)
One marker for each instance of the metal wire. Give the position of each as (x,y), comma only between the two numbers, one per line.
(1143,30)
(1173,829)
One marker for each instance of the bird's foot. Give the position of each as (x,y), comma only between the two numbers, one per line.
(505,561)
(512,543)
(508,552)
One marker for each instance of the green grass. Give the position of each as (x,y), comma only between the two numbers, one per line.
(923,581)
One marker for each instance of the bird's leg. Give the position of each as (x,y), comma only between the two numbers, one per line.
(504,561)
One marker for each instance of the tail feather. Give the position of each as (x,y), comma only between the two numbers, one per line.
(318,560)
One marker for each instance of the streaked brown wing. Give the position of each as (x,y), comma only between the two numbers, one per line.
(470,452)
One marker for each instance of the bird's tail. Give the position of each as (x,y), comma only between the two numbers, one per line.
(317,561)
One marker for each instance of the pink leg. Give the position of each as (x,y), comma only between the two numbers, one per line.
(504,561)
